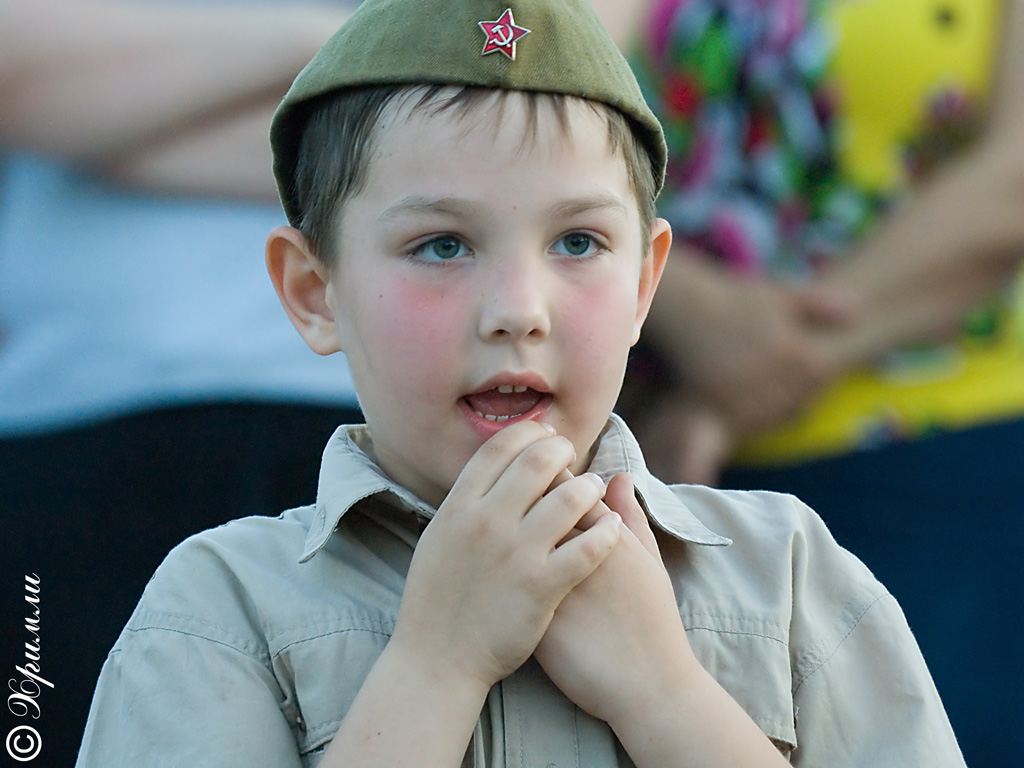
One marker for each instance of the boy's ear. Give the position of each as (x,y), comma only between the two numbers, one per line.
(650,271)
(301,281)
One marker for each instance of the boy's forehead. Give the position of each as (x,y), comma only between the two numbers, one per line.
(546,46)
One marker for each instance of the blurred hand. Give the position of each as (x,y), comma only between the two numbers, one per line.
(762,357)
(684,440)
(746,354)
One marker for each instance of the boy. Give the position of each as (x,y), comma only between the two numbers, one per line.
(472,189)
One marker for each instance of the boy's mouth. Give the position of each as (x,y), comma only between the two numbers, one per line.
(505,402)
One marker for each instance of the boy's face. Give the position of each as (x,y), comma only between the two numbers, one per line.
(486,276)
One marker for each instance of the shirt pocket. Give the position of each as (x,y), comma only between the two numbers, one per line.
(321,667)
(750,658)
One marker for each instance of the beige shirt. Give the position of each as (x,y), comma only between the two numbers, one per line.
(252,639)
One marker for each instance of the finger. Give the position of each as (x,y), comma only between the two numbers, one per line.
(700,467)
(621,498)
(495,456)
(690,441)
(598,511)
(560,510)
(595,512)
(830,307)
(583,552)
(532,472)
(564,475)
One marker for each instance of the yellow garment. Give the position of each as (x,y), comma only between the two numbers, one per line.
(892,63)
(890,60)
(963,387)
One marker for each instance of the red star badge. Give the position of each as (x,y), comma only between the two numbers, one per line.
(502,35)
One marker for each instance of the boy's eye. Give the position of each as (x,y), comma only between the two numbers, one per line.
(577,244)
(444,248)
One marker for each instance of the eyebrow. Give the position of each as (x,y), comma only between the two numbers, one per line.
(588,204)
(414,205)
(419,205)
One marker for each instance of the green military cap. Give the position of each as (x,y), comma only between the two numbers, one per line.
(553,46)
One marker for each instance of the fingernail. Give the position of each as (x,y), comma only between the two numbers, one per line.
(595,478)
(548,427)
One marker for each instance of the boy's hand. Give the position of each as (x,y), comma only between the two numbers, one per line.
(617,640)
(494,563)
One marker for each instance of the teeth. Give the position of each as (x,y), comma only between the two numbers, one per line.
(508,389)
(492,417)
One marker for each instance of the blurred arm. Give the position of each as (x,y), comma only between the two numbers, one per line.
(957,243)
(621,18)
(746,353)
(131,91)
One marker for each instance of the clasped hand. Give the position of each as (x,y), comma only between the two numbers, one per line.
(524,558)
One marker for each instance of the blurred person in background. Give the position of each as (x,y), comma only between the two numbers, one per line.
(843,319)
(142,394)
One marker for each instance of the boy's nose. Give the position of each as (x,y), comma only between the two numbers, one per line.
(514,305)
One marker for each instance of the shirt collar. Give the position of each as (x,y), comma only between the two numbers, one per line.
(348,475)
(618,451)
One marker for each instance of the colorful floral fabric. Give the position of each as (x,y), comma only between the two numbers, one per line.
(752,118)
(778,165)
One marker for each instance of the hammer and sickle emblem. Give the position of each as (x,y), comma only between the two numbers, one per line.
(502,34)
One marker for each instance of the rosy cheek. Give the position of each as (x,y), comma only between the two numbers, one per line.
(423,326)
(599,317)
